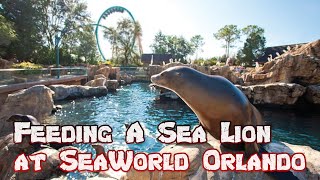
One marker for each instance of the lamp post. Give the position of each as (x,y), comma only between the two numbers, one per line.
(56,42)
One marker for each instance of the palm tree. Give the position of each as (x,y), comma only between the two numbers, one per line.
(138,36)
(111,35)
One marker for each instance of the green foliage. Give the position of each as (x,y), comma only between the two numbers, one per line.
(206,62)
(230,34)
(30,68)
(7,34)
(253,46)
(26,17)
(223,58)
(178,47)
(122,38)
(27,65)
(197,41)
(36,23)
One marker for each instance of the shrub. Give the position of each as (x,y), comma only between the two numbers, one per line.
(27,65)
(205,62)
(31,68)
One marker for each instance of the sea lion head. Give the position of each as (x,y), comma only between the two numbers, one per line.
(173,78)
(23,118)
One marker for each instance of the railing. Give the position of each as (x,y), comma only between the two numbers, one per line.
(17,76)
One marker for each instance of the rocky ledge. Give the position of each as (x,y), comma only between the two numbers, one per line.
(196,170)
(277,93)
(75,91)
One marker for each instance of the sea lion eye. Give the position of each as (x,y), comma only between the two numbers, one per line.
(178,74)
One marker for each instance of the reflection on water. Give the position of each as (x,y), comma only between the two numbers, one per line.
(136,103)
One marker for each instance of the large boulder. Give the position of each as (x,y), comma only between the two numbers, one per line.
(203,69)
(91,71)
(299,65)
(313,94)
(227,72)
(76,91)
(9,152)
(50,168)
(196,170)
(277,93)
(105,71)
(36,101)
(114,73)
(173,64)
(97,82)
(154,69)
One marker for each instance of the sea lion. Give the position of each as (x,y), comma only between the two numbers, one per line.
(23,118)
(26,118)
(213,99)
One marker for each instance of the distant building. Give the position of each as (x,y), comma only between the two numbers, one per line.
(157,59)
(274,52)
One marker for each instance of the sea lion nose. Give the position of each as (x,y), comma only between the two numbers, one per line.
(154,78)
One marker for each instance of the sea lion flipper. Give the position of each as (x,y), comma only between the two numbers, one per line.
(255,119)
(250,149)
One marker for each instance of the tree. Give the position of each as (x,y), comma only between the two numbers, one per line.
(7,34)
(159,44)
(37,22)
(25,16)
(230,34)
(138,35)
(253,46)
(178,47)
(197,41)
(82,43)
(62,16)
(122,39)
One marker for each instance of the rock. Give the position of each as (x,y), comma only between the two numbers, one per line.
(76,91)
(312,157)
(196,170)
(5,64)
(100,76)
(115,73)
(299,65)
(313,94)
(203,69)
(97,82)
(173,64)
(277,93)
(50,167)
(9,152)
(194,152)
(36,101)
(226,72)
(154,69)
(113,85)
(104,71)
(92,71)
(126,78)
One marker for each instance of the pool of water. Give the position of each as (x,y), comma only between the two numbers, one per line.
(136,102)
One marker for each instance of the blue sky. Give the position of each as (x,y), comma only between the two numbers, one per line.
(284,21)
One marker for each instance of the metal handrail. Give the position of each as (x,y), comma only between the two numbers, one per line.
(42,69)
